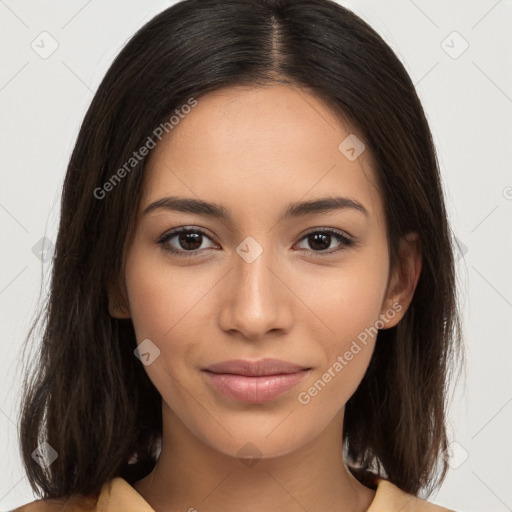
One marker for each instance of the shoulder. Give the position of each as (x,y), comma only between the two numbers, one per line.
(389,498)
(116,495)
(74,504)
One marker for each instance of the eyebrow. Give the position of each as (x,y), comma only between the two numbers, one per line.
(293,210)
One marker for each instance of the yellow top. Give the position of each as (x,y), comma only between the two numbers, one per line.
(119,496)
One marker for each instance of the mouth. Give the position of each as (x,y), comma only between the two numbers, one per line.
(254,381)
(259,368)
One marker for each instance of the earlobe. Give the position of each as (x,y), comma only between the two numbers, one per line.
(116,309)
(117,304)
(403,281)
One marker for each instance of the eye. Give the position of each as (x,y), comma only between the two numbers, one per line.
(321,239)
(188,240)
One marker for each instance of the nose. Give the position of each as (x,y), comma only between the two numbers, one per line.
(256,299)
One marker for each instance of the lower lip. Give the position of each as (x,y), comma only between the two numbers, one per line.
(254,389)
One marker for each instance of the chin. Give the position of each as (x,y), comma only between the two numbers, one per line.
(264,441)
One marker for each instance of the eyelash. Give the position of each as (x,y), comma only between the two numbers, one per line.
(339,236)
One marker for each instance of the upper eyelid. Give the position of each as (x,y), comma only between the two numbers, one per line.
(181,229)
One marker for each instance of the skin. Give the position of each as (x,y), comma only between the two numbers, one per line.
(254,151)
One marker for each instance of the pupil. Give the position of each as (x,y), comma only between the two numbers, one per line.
(317,236)
(190,241)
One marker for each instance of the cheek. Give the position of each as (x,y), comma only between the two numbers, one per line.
(167,306)
(159,297)
(346,308)
(152,303)
(348,299)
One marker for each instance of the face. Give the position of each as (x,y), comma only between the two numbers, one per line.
(308,287)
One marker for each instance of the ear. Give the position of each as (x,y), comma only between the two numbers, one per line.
(403,280)
(118,305)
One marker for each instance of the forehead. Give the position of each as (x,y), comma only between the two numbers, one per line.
(256,149)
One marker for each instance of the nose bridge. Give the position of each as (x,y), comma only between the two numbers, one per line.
(256,302)
(253,275)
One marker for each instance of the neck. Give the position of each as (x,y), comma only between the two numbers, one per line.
(191,475)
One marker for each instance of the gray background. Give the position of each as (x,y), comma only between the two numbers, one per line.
(467,94)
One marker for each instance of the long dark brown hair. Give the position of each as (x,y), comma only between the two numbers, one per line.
(87,395)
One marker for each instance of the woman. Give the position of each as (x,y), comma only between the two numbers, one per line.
(252,303)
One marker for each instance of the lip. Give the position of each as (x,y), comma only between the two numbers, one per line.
(261,367)
(254,381)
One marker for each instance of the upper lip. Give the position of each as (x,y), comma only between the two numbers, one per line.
(255,368)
